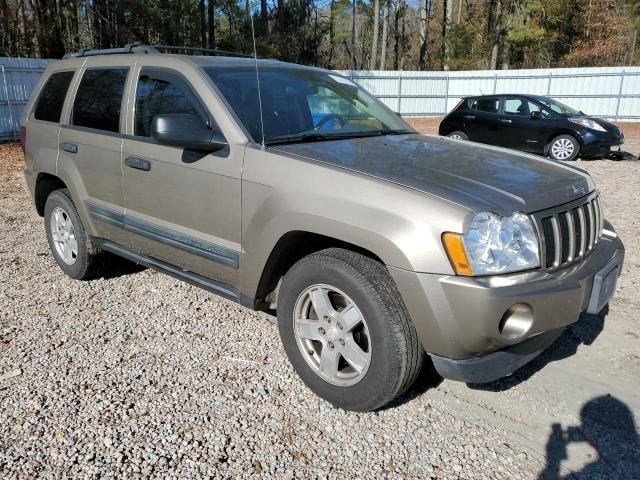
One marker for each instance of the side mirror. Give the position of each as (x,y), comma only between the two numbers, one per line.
(185,130)
(536,115)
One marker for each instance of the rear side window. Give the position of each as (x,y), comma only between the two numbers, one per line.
(99,99)
(489,105)
(49,106)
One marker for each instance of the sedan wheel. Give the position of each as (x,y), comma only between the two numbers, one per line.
(458,135)
(564,148)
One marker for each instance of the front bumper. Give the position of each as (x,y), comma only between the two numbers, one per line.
(458,319)
(598,144)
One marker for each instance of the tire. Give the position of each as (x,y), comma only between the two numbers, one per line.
(564,148)
(385,334)
(458,135)
(85,260)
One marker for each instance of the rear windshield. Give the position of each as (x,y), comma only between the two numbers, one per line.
(299,102)
(51,99)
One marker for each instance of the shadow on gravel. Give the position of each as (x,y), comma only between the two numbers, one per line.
(115,267)
(607,425)
(583,332)
(428,378)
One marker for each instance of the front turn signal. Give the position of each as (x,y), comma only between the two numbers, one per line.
(454,247)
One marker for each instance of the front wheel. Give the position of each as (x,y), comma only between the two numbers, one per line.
(564,147)
(346,330)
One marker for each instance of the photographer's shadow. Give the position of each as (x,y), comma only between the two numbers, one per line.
(608,427)
(582,332)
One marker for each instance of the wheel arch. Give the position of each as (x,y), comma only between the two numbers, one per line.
(557,133)
(45,184)
(291,247)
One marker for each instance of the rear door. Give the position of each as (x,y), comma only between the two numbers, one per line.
(44,123)
(182,206)
(481,119)
(91,142)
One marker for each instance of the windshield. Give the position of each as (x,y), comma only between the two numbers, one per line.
(302,105)
(558,107)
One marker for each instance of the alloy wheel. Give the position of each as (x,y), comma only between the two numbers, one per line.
(562,148)
(64,236)
(332,335)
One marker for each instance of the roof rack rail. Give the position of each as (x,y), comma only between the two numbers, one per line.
(127,49)
(214,51)
(132,48)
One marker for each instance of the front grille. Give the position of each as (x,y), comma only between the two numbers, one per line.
(569,233)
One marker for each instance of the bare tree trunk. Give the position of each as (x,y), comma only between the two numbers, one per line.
(446,26)
(425,14)
(211,22)
(385,34)
(203,24)
(374,41)
(281,15)
(332,33)
(354,38)
(496,12)
(263,12)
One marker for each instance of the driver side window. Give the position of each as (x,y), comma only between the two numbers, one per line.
(161,93)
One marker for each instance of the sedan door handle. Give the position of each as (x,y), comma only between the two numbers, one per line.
(504,120)
(69,147)
(470,117)
(138,163)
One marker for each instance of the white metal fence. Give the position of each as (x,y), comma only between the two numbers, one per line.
(610,92)
(18,77)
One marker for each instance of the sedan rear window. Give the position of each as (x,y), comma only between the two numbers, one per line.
(489,105)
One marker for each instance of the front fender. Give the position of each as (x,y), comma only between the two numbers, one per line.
(399,225)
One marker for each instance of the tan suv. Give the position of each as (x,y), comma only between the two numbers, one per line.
(292,190)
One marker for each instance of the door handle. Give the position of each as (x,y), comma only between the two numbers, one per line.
(138,163)
(470,117)
(505,120)
(69,147)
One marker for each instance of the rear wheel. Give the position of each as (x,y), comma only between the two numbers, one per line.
(458,135)
(346,330)
(564,147)
(68,241)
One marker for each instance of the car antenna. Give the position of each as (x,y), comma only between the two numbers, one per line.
(255,58)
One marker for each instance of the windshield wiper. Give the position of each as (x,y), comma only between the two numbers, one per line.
(319,137)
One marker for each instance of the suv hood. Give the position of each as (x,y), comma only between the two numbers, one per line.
(476,176)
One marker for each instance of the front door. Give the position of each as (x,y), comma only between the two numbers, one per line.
(518,128)
(182,206)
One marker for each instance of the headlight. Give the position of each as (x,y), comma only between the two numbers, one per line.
(587,123)
(494,245)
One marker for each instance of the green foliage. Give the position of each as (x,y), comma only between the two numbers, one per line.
(528,34)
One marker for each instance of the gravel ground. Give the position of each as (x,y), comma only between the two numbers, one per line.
(137,375)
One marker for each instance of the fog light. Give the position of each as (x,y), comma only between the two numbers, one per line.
(516,321)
